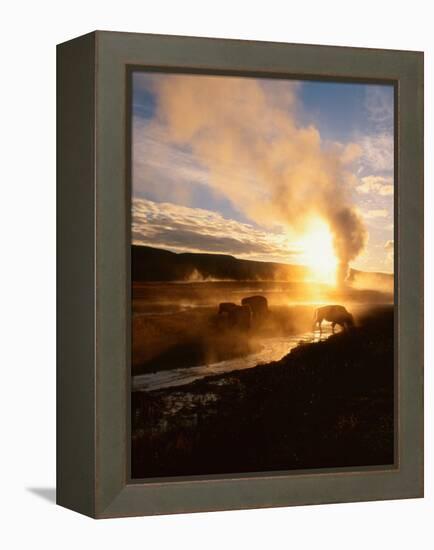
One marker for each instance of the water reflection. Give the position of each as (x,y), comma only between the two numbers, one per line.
(272,349)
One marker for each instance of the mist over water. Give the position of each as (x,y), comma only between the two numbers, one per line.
(167,298)
(273,349)
(184,315)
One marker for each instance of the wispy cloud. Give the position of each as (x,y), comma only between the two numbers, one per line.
(378,143)
(376,213)
(184,229)
(378,185)
(389,247)
(378,154)
(379,105)
(162,169)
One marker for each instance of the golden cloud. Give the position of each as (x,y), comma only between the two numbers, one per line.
(377,185)
(185,229)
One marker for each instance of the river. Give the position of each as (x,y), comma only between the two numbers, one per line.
(272,349)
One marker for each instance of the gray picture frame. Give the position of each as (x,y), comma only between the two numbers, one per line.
(93,362)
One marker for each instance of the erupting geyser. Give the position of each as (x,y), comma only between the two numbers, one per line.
(272,170)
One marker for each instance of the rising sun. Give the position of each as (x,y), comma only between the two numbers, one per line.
(318,253)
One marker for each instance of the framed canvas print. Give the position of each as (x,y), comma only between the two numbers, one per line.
(240,274)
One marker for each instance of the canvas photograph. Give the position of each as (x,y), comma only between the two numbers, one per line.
(262,274)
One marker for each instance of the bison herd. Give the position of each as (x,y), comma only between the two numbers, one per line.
(253,309)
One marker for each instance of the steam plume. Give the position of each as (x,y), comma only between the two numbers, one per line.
(273,170)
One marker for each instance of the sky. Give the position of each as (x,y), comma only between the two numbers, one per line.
(247,167)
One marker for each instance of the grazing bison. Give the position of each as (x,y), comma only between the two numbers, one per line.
(236,316)
(336,315)
(258,305)
(241,316)
(226,307)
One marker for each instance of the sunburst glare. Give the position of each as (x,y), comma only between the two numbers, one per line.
(318,252)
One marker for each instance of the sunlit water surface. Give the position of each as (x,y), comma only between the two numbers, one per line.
(272,349)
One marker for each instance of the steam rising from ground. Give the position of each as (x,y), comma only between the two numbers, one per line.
(272,170)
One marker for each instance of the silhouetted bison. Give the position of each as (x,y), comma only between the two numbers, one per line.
(336,315)
(241,316)
(236,316)
(226,307)
(258,305)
